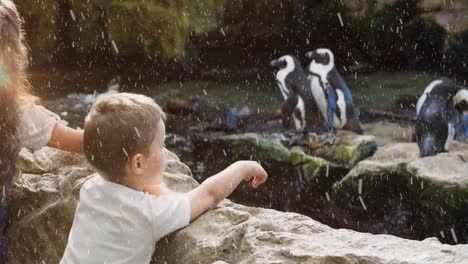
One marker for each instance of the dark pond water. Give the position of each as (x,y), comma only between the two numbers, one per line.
(396,91)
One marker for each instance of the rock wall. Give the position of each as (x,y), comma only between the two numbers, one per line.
(429,194)
(45,195)
(387,34)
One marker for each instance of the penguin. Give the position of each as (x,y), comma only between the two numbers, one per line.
(440,116)
(331,92)
(299,101)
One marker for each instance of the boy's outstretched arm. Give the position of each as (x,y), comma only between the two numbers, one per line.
(66,138)
(214,189)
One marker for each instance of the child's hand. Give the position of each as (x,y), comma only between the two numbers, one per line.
(255,171)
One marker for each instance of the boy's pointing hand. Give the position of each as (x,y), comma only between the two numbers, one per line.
(256,172)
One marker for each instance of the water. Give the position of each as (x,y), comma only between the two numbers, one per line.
(382,90)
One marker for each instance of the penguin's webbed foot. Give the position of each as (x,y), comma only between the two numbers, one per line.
(295,139)
(328,137)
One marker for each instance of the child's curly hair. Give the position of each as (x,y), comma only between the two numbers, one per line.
(13,81)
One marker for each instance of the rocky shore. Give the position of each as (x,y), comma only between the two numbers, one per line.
(46,193)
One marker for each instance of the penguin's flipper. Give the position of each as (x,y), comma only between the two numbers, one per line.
(288,109)
(337,82)
(465,125)
(331,106)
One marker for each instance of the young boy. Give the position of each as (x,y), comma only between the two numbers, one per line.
(116,221)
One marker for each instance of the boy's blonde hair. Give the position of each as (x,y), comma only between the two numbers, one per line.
(118,127)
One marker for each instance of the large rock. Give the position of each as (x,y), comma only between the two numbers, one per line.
(45,196)
(43,208)
(239,234)
(157,30)
(297,180)
(348,148)
(453,22)
(386,35)
(431,5)
(388,132)
(432,190)
(300,178)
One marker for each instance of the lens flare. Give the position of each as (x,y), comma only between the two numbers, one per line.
(4,79)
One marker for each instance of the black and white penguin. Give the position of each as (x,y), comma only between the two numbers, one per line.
(299,102)
(331,92)
(440,111)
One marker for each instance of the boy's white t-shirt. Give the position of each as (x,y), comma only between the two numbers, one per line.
(116,224)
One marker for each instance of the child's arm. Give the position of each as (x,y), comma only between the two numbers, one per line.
(214,189)
(66,138)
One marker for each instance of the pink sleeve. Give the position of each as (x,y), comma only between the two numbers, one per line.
(36,125)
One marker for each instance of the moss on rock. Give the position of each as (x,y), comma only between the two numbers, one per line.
(255,146)
(348,148)
(205,16)
(152,29)
(245,145)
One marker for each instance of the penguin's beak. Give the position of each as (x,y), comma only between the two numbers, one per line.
(311,55)
(278,63)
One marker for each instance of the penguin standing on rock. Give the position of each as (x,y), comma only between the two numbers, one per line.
(299,102)
(440,116)
(331,93)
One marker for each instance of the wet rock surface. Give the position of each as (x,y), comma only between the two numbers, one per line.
(43,208)
(300,177)
(45,195)
(431,192)
(239,234)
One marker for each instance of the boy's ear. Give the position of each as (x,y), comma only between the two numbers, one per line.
(136,164)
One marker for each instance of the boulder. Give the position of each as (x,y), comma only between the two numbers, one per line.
(432,190)
(43,208)
(156,30)
(431,5)
(205,16)
(386,35)
(294,176)
(355,5)
(453,22)
(348,148)
(300,178)
(388,132)
(239,234)
(45,195)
